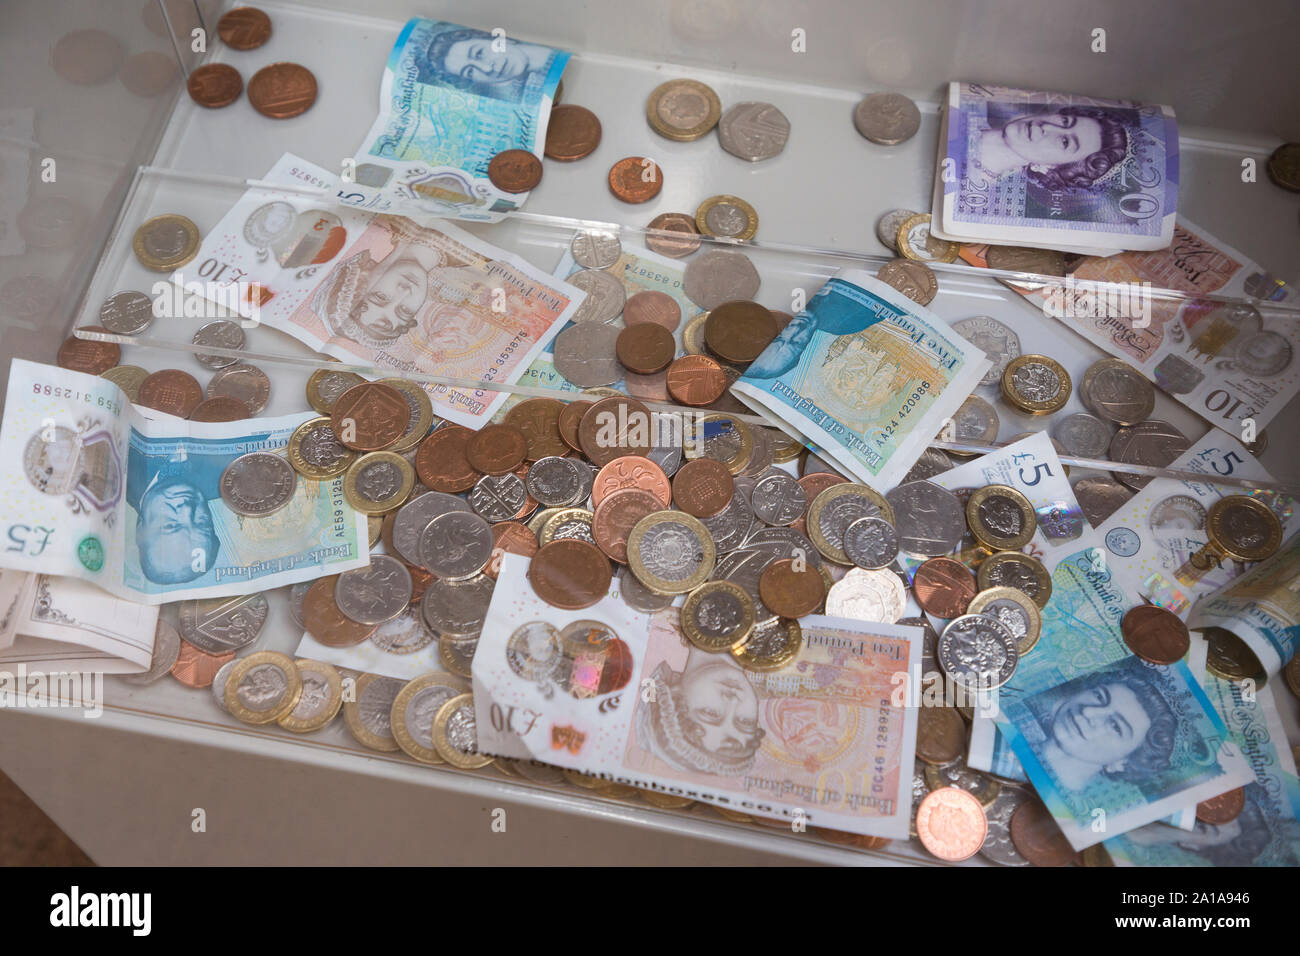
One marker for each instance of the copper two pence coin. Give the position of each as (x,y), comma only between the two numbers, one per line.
(791,591)
(244,28)
(370,416)
(696,380)
(572,133)
(570,574)
(509,537)
(617,514)
(222,408)
(636,179)
(703,487)
(631,471)
(569,420)
(538,419)
(951,824)
(83,355)
(497,449)
(282,90)
(652,306)
(943,587)
(614,427)
(739,331)
(645,348)
(196,668)
(1037,837)
(325,622)
(515,170)
(171,391)
(215,85)
(684,243)
(1155,635)
(441,463)
(1222,809)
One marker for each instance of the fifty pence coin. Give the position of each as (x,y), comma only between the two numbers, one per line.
(929,519)
(999,342)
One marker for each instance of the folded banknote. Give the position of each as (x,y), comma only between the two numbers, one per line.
(94,490)
(616,693)
(451,98)
(1054,170)
(864,375)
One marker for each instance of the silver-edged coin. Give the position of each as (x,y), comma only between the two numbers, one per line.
(605,296)
(414,516)
(761,453)
(1083,435)
(1119,393)
(778,499)
(719,276)
(595,249)
(370,716)
(126,313)
(404,634)
(556,482)
(978,652)
(753,131)
(639,597)
(585,355)
(914,279)
(930,669)
(258,484)
(871,543)
(730,526)
(376,593)
(219,680)
(887,118)
(248,383)
(453,609)
(1260,354)
(862,595)
(998,847)
(222,334)
(221,625)
(933,461)
(975,422)
(456,545)
(497,497)
(166,649)
(298,594)
(456,654)
(999,342)
(1153,442)
(930,520)
(1100,498)
(745,567)
(782,543)
(887,229)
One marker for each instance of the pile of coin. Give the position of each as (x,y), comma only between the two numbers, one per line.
(278,91)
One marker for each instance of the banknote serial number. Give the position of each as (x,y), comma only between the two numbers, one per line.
(77,395)
(909,405)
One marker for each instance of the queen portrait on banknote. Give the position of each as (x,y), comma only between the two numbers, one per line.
(481,63)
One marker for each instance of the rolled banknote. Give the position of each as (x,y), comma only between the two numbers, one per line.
(94,490)
(1109,741)
(1262,607)
(1054,170)
(827,740)
(453,97)
(1225,361)
(865,375)
(1267,830)
(381,291)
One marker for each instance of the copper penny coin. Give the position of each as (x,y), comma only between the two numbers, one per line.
(636,179)
(568,422)
(951,824)
(572,133)
(940,735)
(325,622)
(282,90)
(943,587)
(1037,837)
(652,306)
(215,85)
(739,331)
(515,170)
(370,417)
(789,591)
(703,487)
(86,57)
(696,380)
(1222,809)
(614,427)
(539,420)
(1155,635)
(441,463)
(615,517)
(222,408)
(83,355)
(496,449)
(148,73)
(570,574)
(645,348)
(244,28)
(171,391)
(675,246)
(509,537)
(631,471)
(196,668)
